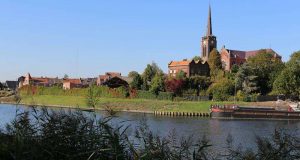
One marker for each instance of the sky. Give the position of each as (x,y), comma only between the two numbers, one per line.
(86,38)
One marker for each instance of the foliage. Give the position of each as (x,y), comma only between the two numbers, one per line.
(132,74)
(266,68)
(157,84)
(66,76)
(279,145)
(150,95)
(181,75)
(100,91)
(199,82)
(150,71)
(92,99)
(137,81)
(46,134)
(214,62)
(197,58)
(288,82)
(222,90)
(174,85)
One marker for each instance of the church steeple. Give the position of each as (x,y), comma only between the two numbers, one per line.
(209,41)
(209,27)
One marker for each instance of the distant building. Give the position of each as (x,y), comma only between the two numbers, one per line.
(191,68)
(38,81)
(72,83)
(209,41)
(113,80)
(11,85)
(231,57)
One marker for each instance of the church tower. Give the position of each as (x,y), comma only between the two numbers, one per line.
(209,41)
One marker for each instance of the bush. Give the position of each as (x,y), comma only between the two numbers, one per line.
(222,90)
(101,91)
(165,96)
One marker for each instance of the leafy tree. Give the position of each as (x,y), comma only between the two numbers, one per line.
(199,83)
(197,58)
(157,84)
(246,80)
(150,71)
(174,85)
(132,74)
(1,86)
(92,100)
(214,62)
(266,68)
(234,68)
(137,81)
(222,89)
(66,76)
(181,75)
(288,82)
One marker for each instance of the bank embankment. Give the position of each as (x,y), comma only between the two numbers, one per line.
(136,105)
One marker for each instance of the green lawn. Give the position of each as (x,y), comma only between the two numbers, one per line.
(122,104)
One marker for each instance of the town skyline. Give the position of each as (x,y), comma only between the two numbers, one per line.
(92,51)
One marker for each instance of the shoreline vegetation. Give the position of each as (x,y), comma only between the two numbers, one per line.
(129,105)
(43,134)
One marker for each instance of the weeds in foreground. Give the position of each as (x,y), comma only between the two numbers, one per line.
(42,133)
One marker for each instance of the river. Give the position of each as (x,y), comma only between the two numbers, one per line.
(217,130)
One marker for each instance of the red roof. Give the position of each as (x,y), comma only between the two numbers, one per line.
(179,63)
(247,54)
(73,81)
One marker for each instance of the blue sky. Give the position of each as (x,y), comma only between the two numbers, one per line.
(87,38)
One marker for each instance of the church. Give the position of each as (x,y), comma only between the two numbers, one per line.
(229,57)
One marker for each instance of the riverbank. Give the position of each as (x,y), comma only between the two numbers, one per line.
(131,105)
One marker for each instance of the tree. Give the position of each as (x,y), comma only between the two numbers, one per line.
(157,84)
(66,76)
(137,81)
(92,100)
(266,68)
(174,85)
(214,62)
(150,71)
(132,74)
(197,58)
(246,80)
(222,90)
(199,83)
(181,75)
(288,81)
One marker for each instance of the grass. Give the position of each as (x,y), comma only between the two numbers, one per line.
(122,104)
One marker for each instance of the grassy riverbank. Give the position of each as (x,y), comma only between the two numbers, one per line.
(119,104)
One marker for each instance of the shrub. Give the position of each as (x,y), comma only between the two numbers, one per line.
(222,90)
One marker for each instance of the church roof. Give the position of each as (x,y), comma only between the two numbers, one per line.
(247,54)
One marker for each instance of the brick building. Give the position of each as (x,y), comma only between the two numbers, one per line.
(38,81)
(231,57)
(191,68)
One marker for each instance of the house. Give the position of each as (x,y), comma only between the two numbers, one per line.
(108,75)
(11,85)
(72,83)
(231,57)
(113,80)
(37,81)
(190,67)
(116,82)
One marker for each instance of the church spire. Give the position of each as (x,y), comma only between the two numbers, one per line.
(209,27)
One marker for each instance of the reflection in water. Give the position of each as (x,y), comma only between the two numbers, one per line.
(243,131)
